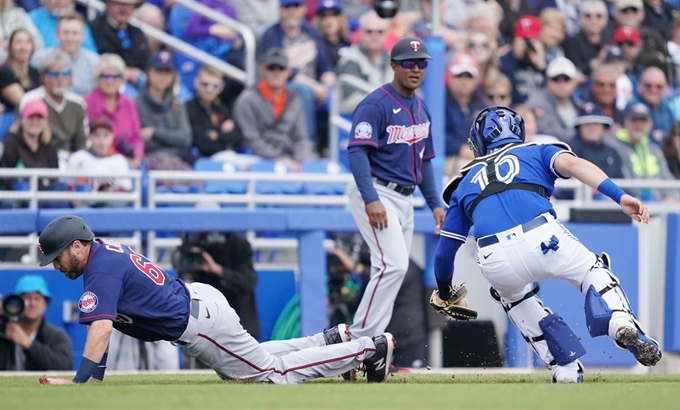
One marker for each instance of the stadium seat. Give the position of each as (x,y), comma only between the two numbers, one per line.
(321,166)
(221,187)
(6,121)
(273,187)
(187,67)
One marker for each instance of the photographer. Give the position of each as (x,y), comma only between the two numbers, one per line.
(223,260)
(28,342)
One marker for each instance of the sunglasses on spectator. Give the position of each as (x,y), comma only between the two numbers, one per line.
(409,64)
(292,6)
(601,84)
(124,38)
(626,44)
(54,73)
(369,31)
(657,86)
(213,86)
(275,67)
(593,15)
(629,10)
(116,76)
(497,96)
(639,119)
(561,78)
(480,45)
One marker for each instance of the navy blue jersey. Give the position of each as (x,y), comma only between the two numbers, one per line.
(527,163)
(399,129)
(139,297)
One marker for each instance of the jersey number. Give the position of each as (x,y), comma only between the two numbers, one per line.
(151,271)
(513,169)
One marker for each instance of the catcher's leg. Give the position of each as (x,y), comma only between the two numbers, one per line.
(547,334)
(608,312)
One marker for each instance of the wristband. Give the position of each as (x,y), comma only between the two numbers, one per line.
(85,370)
(98,373)
(610,189)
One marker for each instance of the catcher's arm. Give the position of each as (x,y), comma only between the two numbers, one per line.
(455,307)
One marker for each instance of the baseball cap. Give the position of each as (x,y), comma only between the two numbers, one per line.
(275,56)
(35,107)
(59,234)
(32,284)
(161,61)
(464,63)
(615,54)
(637,110)
(409,48)
(329,5)
(527,26)
(290,2)
(561,66)
(623,34)
(100,122)
(624,4)
(591,114)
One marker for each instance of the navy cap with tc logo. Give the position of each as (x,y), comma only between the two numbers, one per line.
(409,48)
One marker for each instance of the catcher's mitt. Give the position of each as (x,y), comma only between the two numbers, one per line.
(456,307)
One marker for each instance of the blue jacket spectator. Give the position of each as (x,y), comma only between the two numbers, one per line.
(45,19)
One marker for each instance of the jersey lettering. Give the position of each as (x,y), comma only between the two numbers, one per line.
(482,179)
(400,134)
(113,246)
(152,271)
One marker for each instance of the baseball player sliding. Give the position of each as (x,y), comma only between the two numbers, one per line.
(389,154)
(505,194)
(126,291)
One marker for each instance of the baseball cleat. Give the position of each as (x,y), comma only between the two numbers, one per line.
(645,349)
(569,373)
(378,366)
(337,334)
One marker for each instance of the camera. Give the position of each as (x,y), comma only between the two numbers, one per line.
(530,46)
(189,255)
(13,307)
(386,8)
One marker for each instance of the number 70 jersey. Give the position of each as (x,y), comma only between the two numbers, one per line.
(141,299)
(517,164)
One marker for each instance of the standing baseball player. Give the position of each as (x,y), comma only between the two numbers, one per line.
(505,194)
(389,154)
(126,291)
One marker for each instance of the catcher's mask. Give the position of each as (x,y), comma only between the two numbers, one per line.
(493,127)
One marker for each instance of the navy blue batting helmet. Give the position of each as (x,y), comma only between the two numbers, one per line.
(495,126)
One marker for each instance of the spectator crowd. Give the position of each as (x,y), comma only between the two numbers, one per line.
(100,94)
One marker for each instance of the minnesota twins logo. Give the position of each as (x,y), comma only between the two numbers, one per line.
(88,302)
(399,134)
(363,131)
(415,45)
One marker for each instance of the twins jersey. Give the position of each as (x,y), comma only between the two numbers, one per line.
(523,163)
(399,129)
(139,297)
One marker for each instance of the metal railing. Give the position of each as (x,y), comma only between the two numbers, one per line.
(337,122)
(246,76)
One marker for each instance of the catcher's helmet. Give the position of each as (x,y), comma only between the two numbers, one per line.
(409,48)
(493,127)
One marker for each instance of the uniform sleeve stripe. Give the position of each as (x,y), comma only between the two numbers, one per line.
(452,235)
(552,163)
(96,317)
(428,157)
(375,144)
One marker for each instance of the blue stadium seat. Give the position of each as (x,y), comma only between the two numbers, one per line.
(273,187)
(187,67)
(221,187)
(322,166)
(6,121)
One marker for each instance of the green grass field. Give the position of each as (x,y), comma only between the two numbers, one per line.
(401,391)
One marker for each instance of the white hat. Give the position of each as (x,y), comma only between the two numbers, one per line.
(464,63)
(624,4)
(561,66)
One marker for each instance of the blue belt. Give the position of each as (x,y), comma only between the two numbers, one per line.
(526,227)
(404,190)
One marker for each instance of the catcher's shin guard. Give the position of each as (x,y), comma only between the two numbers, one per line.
(606,305)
